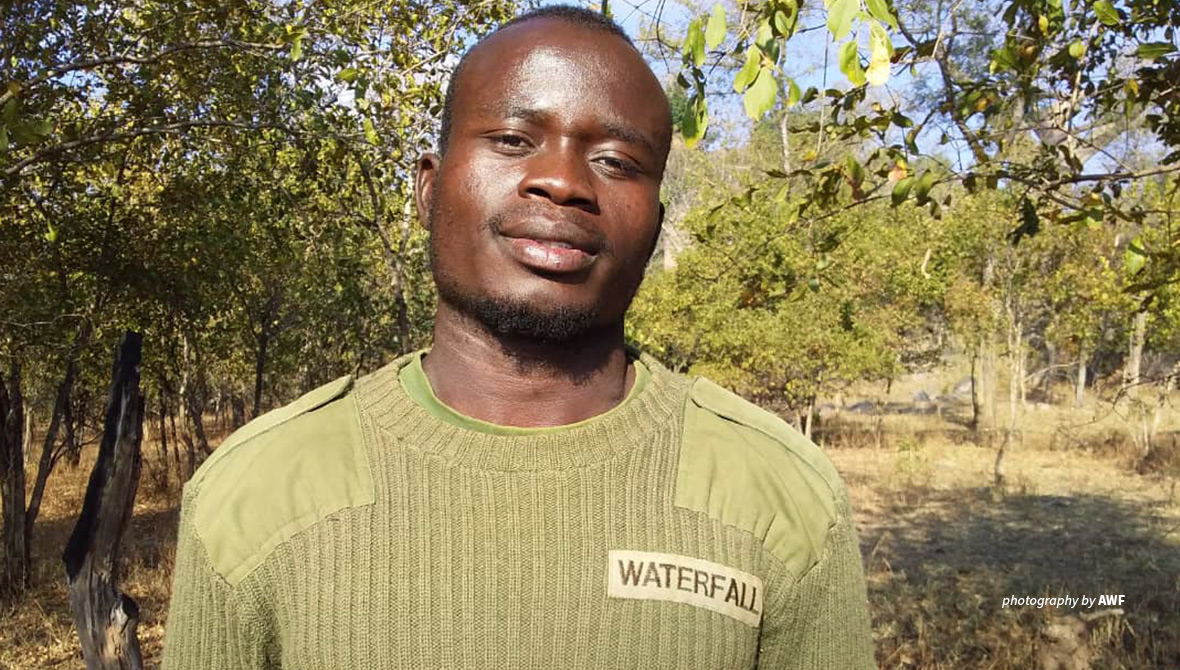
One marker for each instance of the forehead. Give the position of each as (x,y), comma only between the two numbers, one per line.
(573,72)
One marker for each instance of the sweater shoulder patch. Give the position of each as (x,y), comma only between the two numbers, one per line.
(745,467)
(278,475)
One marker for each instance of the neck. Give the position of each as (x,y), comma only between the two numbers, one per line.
(513,381)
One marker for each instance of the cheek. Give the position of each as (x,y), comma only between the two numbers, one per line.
(641,226)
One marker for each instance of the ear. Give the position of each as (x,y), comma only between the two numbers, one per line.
(427,171)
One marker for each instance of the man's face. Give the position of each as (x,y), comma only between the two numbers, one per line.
(545,209)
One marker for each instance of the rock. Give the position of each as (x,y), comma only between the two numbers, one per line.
(921,397)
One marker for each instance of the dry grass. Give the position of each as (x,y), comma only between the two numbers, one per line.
(39,631)
(940,551)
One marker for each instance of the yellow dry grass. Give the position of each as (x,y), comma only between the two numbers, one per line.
(942,551)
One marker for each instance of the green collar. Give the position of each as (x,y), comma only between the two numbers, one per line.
(417,386)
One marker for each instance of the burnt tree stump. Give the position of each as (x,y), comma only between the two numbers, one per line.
(106,617)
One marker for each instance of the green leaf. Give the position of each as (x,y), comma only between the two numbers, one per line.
(793,93)
(901,191)
(922,187)
(1155,50)
(856,172)
(715,32)
(765,40)
(297,47)
(760,97)
(50,234)
(1107,14)
(695,121)
(1077,49)
(880,11)
(1003,60)
(694,43)
(348,74)
(8,116)
(749,70)
(782,24)
(371,132)
(882,51)
(1135,257)
(840,16)
(850,63)
(3,139)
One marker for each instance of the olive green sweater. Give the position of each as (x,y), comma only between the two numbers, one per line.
(368,526)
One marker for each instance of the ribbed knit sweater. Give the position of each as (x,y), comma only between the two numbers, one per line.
(367,526)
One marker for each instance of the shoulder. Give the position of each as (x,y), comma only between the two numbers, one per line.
(277,475)
(747,468)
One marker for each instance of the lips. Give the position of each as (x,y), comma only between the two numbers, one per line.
(552,247)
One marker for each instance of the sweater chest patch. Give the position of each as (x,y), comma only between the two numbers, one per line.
(645,575)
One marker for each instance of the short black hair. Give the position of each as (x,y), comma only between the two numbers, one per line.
(578,16)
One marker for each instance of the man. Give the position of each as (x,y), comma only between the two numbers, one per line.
(529,493)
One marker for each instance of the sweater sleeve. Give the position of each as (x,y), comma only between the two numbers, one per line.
(821,622)
(210,625)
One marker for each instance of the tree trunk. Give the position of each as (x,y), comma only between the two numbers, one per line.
(106,617)
(976,393)
(988,379)
(1167,385)
(987,354)
(1131,375)
(162,440)
(192,429)
(200,449)
(30,427)
(15,575)
(71,450)
(48,459)
(180,475)
(1021,366)
(809,417)
(1079,395)
(238,406)
(1015,381)
(259,366)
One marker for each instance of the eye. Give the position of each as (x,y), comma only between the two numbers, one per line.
(619,167)
(512,143)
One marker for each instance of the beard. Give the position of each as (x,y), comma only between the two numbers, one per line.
(517,319)
(513,318)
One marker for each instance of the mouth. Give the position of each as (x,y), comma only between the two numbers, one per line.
(550,246)
(550,256)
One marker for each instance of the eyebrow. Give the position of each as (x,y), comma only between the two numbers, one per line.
(613,130)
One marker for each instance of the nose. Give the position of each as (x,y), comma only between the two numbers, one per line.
(560,174)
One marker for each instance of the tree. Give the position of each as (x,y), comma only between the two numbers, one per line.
(175,168)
